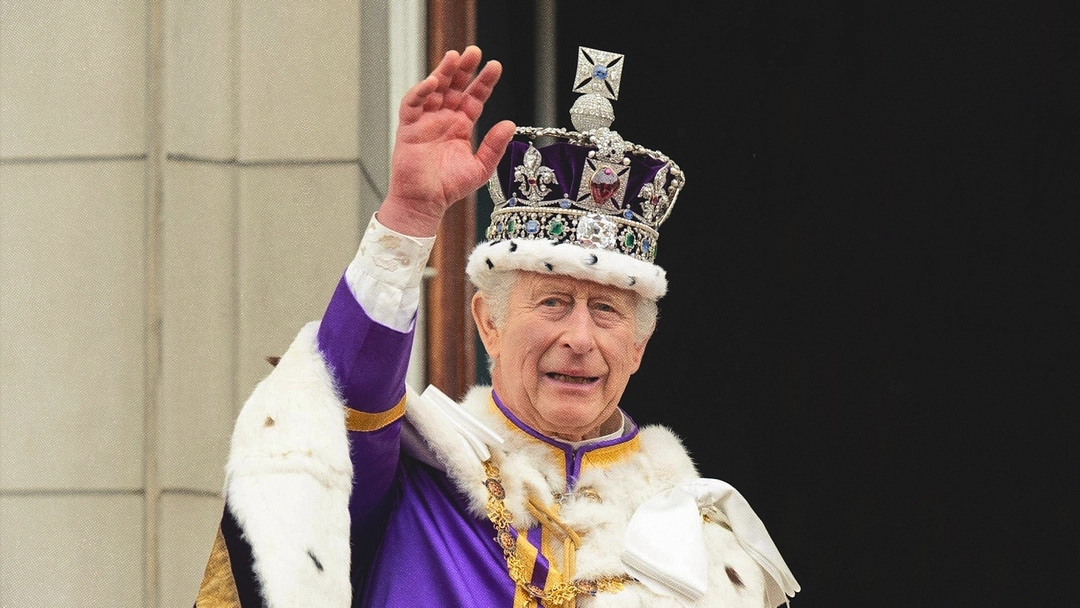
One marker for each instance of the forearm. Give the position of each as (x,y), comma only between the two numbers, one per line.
(366,338)
(366,333)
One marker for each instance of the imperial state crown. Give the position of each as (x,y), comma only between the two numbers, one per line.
(589,205)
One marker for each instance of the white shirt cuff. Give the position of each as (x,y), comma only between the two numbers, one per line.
(386,274)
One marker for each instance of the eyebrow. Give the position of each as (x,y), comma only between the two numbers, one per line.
(547,286)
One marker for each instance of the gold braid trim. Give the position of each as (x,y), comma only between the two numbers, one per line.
(355,420)
(218,589)
(563,594)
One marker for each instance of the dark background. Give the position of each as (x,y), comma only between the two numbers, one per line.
(870,329)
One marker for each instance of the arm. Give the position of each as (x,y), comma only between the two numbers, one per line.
(286,525)
(366,334)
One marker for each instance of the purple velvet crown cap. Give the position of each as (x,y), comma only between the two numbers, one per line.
(594,190)
(568,161)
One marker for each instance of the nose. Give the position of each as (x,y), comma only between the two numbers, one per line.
(578,334)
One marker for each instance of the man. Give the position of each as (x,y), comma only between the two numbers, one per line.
(537,491)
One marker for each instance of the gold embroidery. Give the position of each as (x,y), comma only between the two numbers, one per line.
(557,454)
(520,556)
(356,420)
(218,589)
(609,455)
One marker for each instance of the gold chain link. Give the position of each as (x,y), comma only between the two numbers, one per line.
(561,594)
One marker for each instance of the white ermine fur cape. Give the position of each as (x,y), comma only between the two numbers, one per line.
(289,478)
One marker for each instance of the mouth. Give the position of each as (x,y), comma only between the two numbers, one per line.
(572,379)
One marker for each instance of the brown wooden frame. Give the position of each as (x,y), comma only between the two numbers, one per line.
(451,354)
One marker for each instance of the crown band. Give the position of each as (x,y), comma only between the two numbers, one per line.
(589,230)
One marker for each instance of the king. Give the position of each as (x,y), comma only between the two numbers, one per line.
(346,487)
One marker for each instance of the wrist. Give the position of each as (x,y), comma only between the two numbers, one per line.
(403,217)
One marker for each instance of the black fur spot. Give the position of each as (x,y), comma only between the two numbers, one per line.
(592,259)
(318,564)
(633,281)
(549,266)
(488,262)
(734,576)
(513,246)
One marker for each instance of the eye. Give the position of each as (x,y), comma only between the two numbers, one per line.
(608,308)
(552,303)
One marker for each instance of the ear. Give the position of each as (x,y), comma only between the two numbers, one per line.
(489,333)
(639,349)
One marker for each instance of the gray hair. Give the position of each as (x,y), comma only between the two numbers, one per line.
(495,288)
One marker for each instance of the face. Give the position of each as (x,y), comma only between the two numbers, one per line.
(563,354)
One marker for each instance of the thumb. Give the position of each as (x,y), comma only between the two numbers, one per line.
(494,145)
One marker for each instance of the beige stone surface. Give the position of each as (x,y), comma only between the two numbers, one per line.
(72,78)
(187,527)
(71,325)
(299,229)
(378,110)
(198,325)
(299,86)
(83,550)
(201,70)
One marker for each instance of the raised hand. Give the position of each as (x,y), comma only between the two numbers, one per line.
(433,163)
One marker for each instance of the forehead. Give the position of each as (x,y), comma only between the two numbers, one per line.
(535,284)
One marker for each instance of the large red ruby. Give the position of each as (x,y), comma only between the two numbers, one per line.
(604,185)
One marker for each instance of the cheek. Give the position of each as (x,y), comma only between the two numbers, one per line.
(530,345)
(623,357)
(521,357)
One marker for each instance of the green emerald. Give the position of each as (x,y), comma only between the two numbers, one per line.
(511,225)
(555,228)
(629,240)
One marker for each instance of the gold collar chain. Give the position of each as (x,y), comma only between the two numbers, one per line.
(563,594)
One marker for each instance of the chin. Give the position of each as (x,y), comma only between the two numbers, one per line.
(570,419)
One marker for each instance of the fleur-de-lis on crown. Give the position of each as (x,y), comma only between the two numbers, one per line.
(654,197)
(534,177)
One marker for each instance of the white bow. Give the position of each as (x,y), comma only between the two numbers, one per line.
(664,546)
(473,433)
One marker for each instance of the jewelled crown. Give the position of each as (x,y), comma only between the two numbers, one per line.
(591,188)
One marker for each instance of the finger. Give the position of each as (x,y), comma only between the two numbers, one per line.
(447,69)
(481,86)
(453,99)
(418,98)
(456,89)
(433,102)
(414,97)
(494,145)
(480,90)
(470,59)
(471,56)
(412,103)
(471,108)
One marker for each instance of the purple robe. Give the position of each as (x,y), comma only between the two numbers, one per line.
(413,540)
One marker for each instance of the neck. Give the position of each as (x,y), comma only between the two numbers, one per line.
(613,424)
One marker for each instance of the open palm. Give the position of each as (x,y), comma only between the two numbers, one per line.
(433,164)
